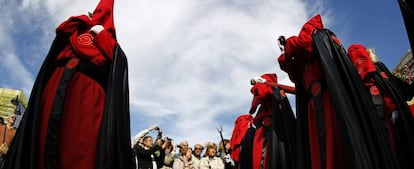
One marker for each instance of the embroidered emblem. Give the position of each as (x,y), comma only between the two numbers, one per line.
(85,39)
(72,63)
(267,121)
(374,91)
(316,88)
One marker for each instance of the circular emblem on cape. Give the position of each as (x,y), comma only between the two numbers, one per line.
(72,63)
(316,88)
(85,39)
(374,90)
(267,121)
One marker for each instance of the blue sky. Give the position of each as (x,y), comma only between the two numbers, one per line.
(190,61)
(376,24)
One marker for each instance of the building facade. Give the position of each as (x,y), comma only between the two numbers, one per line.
(405,67)
(12,102)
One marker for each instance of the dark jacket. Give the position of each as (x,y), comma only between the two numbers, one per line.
(146,157)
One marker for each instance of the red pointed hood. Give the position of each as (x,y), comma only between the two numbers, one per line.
(361,59)
(300,45)
(260,92)
(104,15)
(304,40)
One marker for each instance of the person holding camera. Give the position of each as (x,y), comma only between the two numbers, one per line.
(169,153)
(137,140)
(148,154)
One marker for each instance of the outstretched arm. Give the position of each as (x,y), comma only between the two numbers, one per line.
(286,88)
(141,134)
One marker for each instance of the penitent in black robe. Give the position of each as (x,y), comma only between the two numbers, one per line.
(114,136)
(365,143)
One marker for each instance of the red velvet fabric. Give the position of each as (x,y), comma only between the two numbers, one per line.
(258,147)
(361,59)
(303,66)
(334,158)
(104,15)
(241,125)
(261,94)
(84,102)
(412,110)
(299,52)
(363,63)
(80,121)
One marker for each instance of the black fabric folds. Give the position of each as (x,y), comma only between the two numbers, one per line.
(282,135)
(407,90)
(365,144)
(404,124)
(246,155)
(301,126)
(114,147)
(407,11)
(21,154)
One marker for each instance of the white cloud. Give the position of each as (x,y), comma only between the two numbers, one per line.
(194,59)
(190,61)
(16,71)
(11,66)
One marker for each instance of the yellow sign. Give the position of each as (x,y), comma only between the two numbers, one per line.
(7,107)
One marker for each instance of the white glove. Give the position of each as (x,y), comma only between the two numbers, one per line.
(97,29)
(257,80)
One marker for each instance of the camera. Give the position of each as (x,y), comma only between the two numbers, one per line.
(167,140)
(157,128)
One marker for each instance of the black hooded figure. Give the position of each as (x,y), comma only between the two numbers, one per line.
(338,122)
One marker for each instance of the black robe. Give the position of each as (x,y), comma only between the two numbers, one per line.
(246,150)
(407,11)
(404,124)
(282,133)
(114,143)
(365,143)
(406,90)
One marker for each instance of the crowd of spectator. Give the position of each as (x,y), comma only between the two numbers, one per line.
(162,153)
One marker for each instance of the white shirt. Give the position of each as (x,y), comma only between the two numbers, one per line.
(211,163)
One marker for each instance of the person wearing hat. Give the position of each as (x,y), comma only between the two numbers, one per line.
(386,95)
